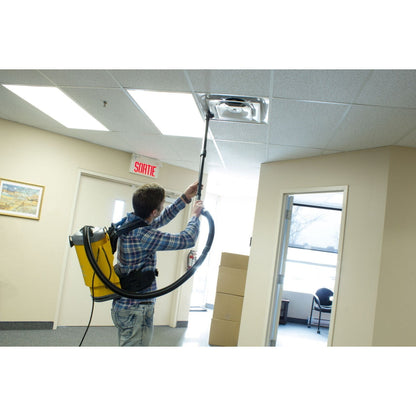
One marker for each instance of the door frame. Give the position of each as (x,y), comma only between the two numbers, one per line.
(275,303)
(277,289)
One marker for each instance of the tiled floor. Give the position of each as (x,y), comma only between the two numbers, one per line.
(195,335)
(299,335)
(289,335)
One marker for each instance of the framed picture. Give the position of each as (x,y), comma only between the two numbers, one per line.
(20,199)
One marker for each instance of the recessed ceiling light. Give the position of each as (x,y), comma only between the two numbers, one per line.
(174,114)
(54,103)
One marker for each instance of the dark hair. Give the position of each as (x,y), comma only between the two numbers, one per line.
(147,198)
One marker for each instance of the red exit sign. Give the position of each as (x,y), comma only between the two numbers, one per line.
(141,165)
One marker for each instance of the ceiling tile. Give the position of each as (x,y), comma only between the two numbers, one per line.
(16,109)
(23,77)
(157,80)
(189,149)
(306,124)
(239,82)
(185,164)
(320,85)
(247,132)
(390,88)
(111,139)
(277,152)
(157,147)
(81,78)
(119,114)
(409,140)
(365,127)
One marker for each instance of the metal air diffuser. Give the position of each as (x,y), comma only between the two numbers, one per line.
(235,108)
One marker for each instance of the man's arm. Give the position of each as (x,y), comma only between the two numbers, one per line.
(157,240)
(170,212)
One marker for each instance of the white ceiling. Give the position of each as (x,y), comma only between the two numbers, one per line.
(312,112)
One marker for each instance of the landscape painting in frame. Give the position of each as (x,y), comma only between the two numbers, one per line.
(20,199)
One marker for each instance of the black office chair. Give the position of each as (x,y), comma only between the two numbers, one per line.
(321,302)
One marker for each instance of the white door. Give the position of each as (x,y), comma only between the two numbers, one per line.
(95,206)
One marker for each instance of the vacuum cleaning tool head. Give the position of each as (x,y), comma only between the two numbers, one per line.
(237,109)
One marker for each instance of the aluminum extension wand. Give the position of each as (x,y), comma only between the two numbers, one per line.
(203,155)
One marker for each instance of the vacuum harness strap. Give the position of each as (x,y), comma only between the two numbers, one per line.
(136,280)
(120,228)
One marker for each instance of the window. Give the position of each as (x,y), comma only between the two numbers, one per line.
(118,210)
(313,243)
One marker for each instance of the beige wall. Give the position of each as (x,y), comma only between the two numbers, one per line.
(33,252)
(395,318)
(366,174)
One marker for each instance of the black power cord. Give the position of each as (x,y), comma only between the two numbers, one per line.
(92,310)
(92,294)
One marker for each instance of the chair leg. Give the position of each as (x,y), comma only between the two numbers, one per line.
(319,322)
(310,315)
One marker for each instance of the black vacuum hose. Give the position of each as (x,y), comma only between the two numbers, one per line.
(149,295)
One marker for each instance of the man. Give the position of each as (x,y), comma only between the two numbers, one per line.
(136,257)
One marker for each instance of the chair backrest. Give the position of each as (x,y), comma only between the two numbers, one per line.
(324,294)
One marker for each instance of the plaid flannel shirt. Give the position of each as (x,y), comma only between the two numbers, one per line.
(137,249)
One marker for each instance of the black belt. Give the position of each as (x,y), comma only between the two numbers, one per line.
(136,280)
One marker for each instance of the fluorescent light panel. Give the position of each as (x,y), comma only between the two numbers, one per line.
(174,114)
(54,103)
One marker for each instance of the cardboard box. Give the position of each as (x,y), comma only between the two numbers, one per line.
(237,261)
(228,307)
(224,333)
(231,280)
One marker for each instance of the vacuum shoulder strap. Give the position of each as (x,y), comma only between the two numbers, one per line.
(126,228)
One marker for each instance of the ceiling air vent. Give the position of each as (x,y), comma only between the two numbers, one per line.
(233,108)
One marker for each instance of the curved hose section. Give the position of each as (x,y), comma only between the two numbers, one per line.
(149,295)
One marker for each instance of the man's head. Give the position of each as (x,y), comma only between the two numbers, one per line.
(148,198)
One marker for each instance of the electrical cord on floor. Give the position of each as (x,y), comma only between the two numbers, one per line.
(92,291)
(93,303)
(92,311)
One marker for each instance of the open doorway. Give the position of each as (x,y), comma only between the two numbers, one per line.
(233,214)
(308,260)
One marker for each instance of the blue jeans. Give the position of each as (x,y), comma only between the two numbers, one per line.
(135,325)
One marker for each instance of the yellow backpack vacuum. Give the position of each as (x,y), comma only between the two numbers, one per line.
(100,246)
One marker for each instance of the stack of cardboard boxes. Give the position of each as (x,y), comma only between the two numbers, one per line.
(225,324)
